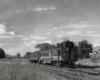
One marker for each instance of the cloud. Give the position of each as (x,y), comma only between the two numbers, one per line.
(83,22)
(5,36)
(41,9)
(96,44)
(72,33)
(47,41)
(10,13)
(44,9)
(21,50)
(77,32)
(34,42)
(79,25)
(48,33)
(78,29)
(17,11)
(25,39)
(20,36)
(12,33)
(91,33)
(3,30)
(72,28)
(4,44)
(53,8)
(36,37)
(54,28)
(30,43)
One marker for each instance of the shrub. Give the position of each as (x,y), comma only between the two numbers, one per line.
(2,53)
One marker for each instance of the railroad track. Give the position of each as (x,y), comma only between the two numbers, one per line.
(89,72)
(73,74)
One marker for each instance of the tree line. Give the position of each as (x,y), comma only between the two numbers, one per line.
(84,48)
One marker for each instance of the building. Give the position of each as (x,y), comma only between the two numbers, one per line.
(96,53)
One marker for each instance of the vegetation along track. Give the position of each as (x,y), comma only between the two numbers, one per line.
(74,74)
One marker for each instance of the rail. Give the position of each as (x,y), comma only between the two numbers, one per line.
(75,74)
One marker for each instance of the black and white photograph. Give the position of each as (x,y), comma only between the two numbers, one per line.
(49,39)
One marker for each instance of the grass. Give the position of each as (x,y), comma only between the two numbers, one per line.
(19,70)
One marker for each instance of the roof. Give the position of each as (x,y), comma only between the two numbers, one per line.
(96,48)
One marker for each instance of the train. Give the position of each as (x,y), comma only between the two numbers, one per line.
(65,55)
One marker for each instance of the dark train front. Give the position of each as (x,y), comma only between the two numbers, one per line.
(69,54)
(65,55)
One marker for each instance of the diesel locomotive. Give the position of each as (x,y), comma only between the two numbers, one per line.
(64,55)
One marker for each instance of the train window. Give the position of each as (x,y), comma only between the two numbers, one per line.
(55,54)
(67,49)
(58,52)
(49,54)
(46,54)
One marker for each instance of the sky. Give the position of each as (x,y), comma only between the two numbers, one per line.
(25,23)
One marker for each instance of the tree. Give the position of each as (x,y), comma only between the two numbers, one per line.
(45,46)
(84,48)
(2,53)
(27,55)
(18,55)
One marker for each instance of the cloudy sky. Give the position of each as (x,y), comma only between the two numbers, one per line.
(25,23)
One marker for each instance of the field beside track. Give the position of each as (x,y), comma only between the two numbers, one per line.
(23,70)
(88,62)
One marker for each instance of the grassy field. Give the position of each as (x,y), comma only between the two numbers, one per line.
(22,70)
(89,62)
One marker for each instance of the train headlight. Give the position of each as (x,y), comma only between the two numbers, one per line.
(66,49)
